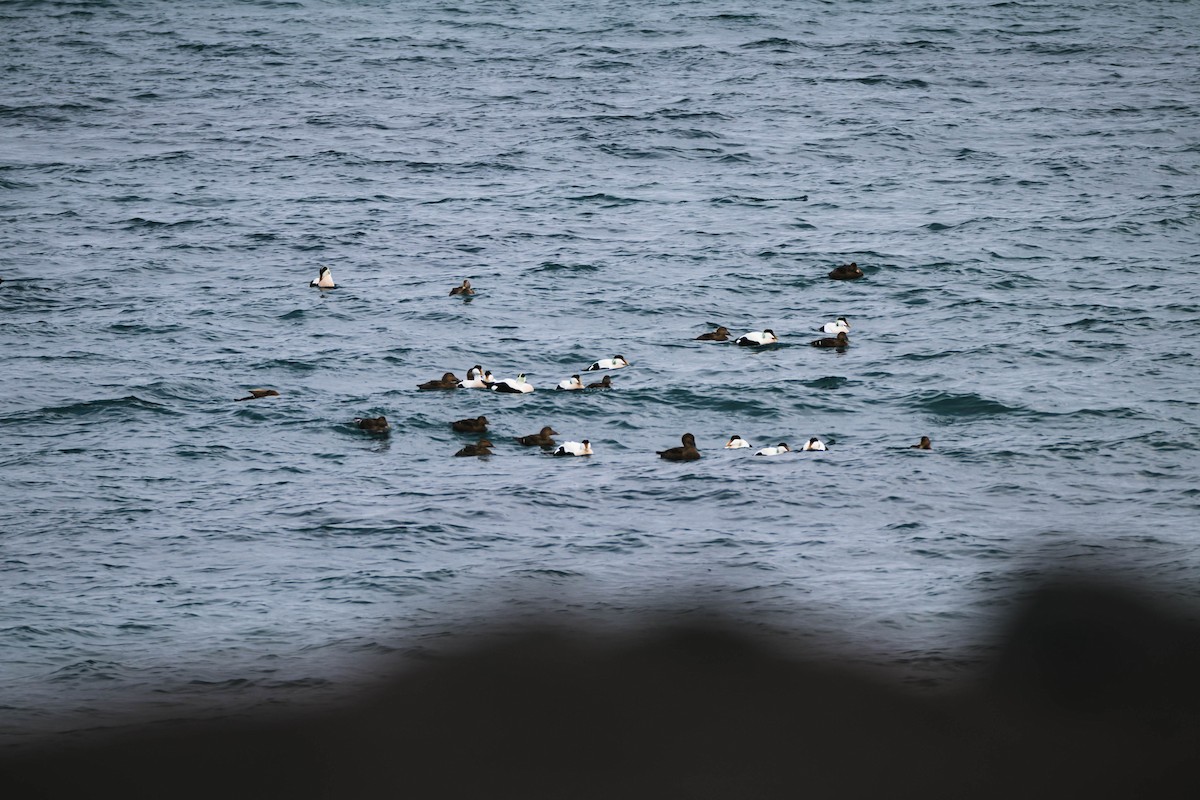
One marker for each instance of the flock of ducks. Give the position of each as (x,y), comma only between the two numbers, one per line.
(478,378)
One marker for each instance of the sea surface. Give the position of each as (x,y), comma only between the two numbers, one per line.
(1019,181)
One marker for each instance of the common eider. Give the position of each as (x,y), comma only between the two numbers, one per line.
(256,394)
(465,289)
(448,381)
(924,444)
(603,383)
(846,272)
(757,338)
(476,425)
(517,385)
(736,443)
(324,280)
(583,448)
(616,362)
(840,325)
(373,424)
(814,444)
(840,341)
(719,335)
(479,382)
(539,439)
(779,449)
(480,448)
(570,384)
(686,453)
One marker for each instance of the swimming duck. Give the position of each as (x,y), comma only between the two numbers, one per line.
(846,272)
(373,424)
(774,451)
(480,448)
(840,341)
(814,444)
(719,335)
(736,443)
(924,444)
(570,384)
(479,382)
(256,394)
(465,289)
(757,338)
(517,385)
(616,362)
(448,381)
(477,425)
(583,448)
(603,383)
(686,453)
(840,325)
(474,372)
(324,280)
(541,438)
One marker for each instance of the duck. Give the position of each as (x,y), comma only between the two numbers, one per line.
(846,272)
(477,425)
(686,453)
(373,424)
(479,382)
(465,289)
(814,444)
(779,449)
(719,335)
(616,362)
(603,383)
(540,439)
(324,279)
(840,325)
(258,394)
(583,448)
(840,341)
(757,338)
(924,444)
(736,443)
(517,385)
(570,384)
(475,372)
(448,381)
(480,448)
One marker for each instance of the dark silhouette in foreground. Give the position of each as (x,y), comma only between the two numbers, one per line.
(1091,692)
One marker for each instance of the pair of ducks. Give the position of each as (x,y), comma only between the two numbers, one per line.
(324,280)
(575,382)
(541,439)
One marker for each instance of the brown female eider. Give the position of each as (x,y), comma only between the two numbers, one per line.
(603,383)
(924,444)
(480,448)
(448,381)
(465,289)
(719,335)
(686,453)
(373,424)
(477,425)
(846,272)
(841,340)
(255,394)
(541,438)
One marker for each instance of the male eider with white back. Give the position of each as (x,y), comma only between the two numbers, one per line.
(840,325)
(814,444)
(324,280)
(583,448)
(736,443)
(517,385)
(777,450)
(616,362)
(757,338)
(570,384)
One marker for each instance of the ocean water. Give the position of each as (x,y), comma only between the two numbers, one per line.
(1018,180)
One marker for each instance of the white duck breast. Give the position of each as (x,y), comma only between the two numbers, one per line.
(583,448)
(479,382)
(571,383)
(616,362)
(840,325)
(736,443)
(324,280)
(517,385)
(814,444)
(780,449)
(758,338)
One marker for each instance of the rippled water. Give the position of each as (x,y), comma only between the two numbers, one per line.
(1017,180)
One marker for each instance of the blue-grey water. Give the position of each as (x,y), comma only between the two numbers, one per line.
(1018,180)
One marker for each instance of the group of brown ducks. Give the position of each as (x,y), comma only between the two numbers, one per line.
(478,378)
